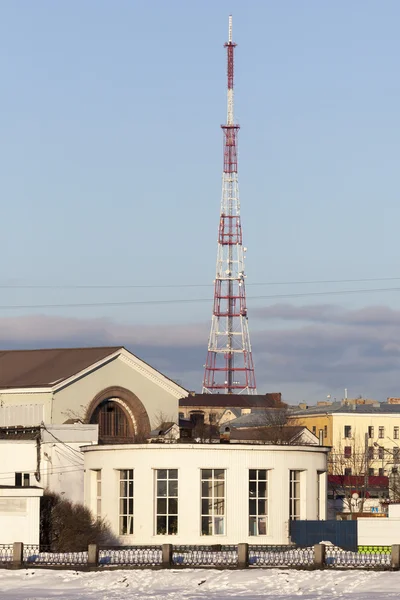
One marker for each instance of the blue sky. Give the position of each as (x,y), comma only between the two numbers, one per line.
(111,162)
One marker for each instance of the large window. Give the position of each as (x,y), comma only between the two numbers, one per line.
(212,502)
(126,492)
(381,432)
(167,501)
(294,496)
(258,502)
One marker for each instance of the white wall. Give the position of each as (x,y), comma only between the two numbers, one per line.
(378,531)
(189,460)
(19,515)
(61,461)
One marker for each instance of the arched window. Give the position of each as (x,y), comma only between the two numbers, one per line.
(114,423)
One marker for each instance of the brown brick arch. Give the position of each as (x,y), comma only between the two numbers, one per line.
(133,408)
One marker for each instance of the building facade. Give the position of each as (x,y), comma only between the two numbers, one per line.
(205,493)
(362,436)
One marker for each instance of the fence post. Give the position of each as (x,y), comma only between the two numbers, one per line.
(93,555)
(166,555)
(395,562)
(18,555)
(319,555)
(243,556)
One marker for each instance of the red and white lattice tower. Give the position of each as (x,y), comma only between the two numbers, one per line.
(229,368)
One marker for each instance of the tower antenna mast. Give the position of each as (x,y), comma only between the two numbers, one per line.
(229,367)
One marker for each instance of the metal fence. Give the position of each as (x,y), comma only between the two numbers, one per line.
(201,556)
(6,553)
(217,556)
(280,556)
(378,558)
(150,556)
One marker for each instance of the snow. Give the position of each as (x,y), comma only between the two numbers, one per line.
(188,584)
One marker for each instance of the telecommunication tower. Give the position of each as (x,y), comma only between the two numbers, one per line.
(229,367)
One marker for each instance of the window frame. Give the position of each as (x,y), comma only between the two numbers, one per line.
(293,499)
(347,431)
(381,432)
(371,432)
(213,516)
(168,497)
(396,432)
(98,493)
(129,514)
(257,498)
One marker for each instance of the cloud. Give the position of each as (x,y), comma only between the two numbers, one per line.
(305,351)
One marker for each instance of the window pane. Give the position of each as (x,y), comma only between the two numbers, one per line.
(173,473)
(206,507)
(252,526)
(262,489)
(219,489)
(173,487)
(161,488)
(206,473)
(130,488)
(206,487)
(252,474)
(173,506)
(219,507)
(262,474)
(162,474)
(252,507)
(262,507)
(123,506)
(206,526)
(296,489)
(219,525)
(252,488)
(161,506)
(123,488)
(219,474)
(123,525)
(130,506)
(161,525)
(262,526)
(173,525)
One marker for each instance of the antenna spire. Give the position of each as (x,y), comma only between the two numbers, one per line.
(229,367)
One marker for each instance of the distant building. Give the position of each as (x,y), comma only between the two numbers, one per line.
(210,408)
(344,427)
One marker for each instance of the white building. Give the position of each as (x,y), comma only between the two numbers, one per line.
(205,493)
(47,457)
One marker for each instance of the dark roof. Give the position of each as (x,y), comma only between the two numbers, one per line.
(43,368)
(265,434)
(233,400)
(338,407)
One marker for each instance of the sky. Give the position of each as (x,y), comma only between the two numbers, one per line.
(110,177)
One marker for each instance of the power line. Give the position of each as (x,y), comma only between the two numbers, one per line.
(190,300)
(184,285)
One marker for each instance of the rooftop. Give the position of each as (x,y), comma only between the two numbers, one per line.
(338,407)
(44,368)
(233,400)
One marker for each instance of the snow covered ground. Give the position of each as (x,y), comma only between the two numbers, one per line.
(193,584)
